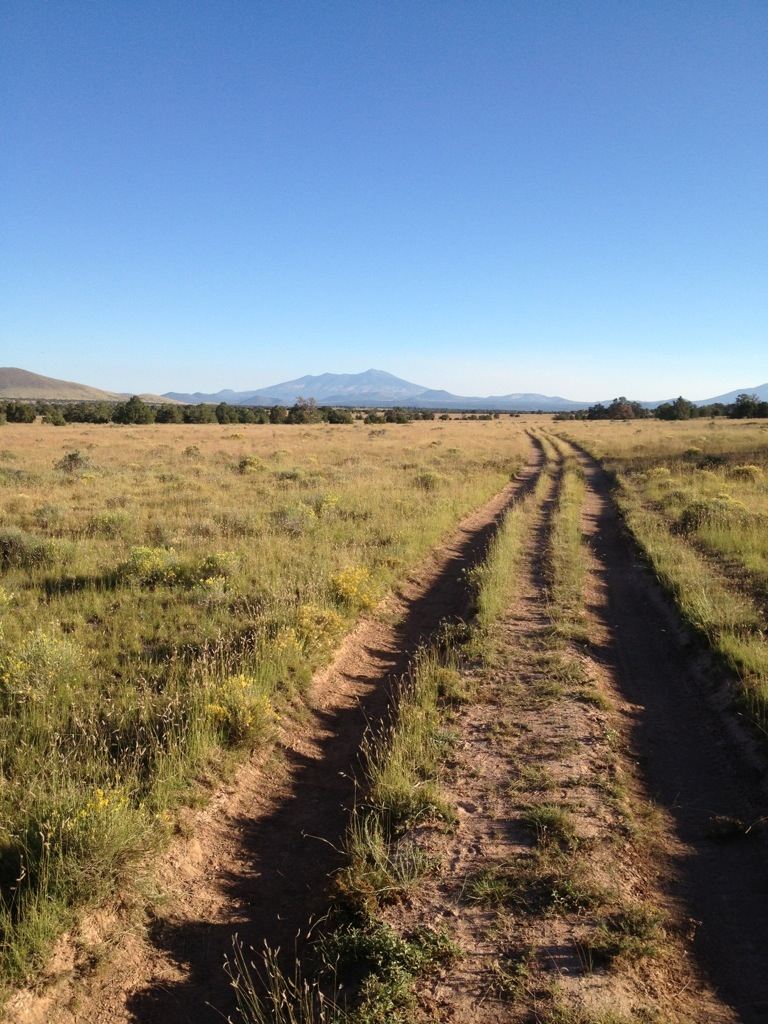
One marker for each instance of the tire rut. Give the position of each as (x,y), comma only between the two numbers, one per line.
(686,759)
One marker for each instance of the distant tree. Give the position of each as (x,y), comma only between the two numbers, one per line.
(227,413)
(169,414)
(304,411)
(278,414)
(339,416)
(398,415)
(20,412)
(745,407)
(133,411)
(620,409)
(202,413)
(680,409)
(54,415)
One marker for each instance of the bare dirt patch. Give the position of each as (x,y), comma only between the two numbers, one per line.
(257,860)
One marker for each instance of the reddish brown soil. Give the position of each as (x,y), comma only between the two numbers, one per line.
(258,859)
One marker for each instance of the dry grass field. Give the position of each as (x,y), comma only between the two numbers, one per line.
(166,593)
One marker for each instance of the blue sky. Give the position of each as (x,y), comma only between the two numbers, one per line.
(561,197)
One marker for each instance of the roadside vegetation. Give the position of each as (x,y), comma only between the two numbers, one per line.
(165,595)
(695,496)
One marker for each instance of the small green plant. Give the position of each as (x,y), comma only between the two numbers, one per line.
(43,663)
(23,550)
(241,710)
(73,462)
(627,935)
(553,827)
(111,523)
(250,464)
(267,994)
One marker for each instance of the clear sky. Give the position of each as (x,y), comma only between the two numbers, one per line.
(486,196)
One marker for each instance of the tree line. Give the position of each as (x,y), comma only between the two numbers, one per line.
(745,407)
(306,410)
(137,411)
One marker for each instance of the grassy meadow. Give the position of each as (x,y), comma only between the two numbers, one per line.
(165,594)
(695,496)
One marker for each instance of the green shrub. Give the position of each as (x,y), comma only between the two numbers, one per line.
(19,549)
(152,567)
(250,464)
(428,480)
(751,474)
(113,523)
(241,710)
(33,669)
(297,518)
(720,511)
(73,462)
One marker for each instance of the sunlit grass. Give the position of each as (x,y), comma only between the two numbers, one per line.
(165,594)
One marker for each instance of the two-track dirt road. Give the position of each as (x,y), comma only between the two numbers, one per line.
(257,860)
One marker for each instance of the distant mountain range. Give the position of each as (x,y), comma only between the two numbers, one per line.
(379,388)
(374,388)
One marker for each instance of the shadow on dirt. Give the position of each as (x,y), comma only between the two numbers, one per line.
(691,766)
(290,854)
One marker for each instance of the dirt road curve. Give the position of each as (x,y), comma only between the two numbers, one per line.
(259,857)
(689,763)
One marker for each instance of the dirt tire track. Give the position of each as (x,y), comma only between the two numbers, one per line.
(687,760)
(516,725)
(258,858)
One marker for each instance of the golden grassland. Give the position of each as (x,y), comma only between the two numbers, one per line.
(695,496)
(165,594)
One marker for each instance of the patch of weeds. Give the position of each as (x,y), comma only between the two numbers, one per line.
(354,588)
(241,710)
(533,778)
(111,523)
(512,972)
(553,827)
(382,966)
(266,994)
(490,887)
(563,1013)
(296,519)
(451,686)
(73,462)
(548,689)
(157,566)
(629,935)
(591,695)
(22,550)
(381,869)
(535,885)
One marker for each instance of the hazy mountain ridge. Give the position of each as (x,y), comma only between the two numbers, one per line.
(373,388)
(379,388)
(376,388)
(34,387)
